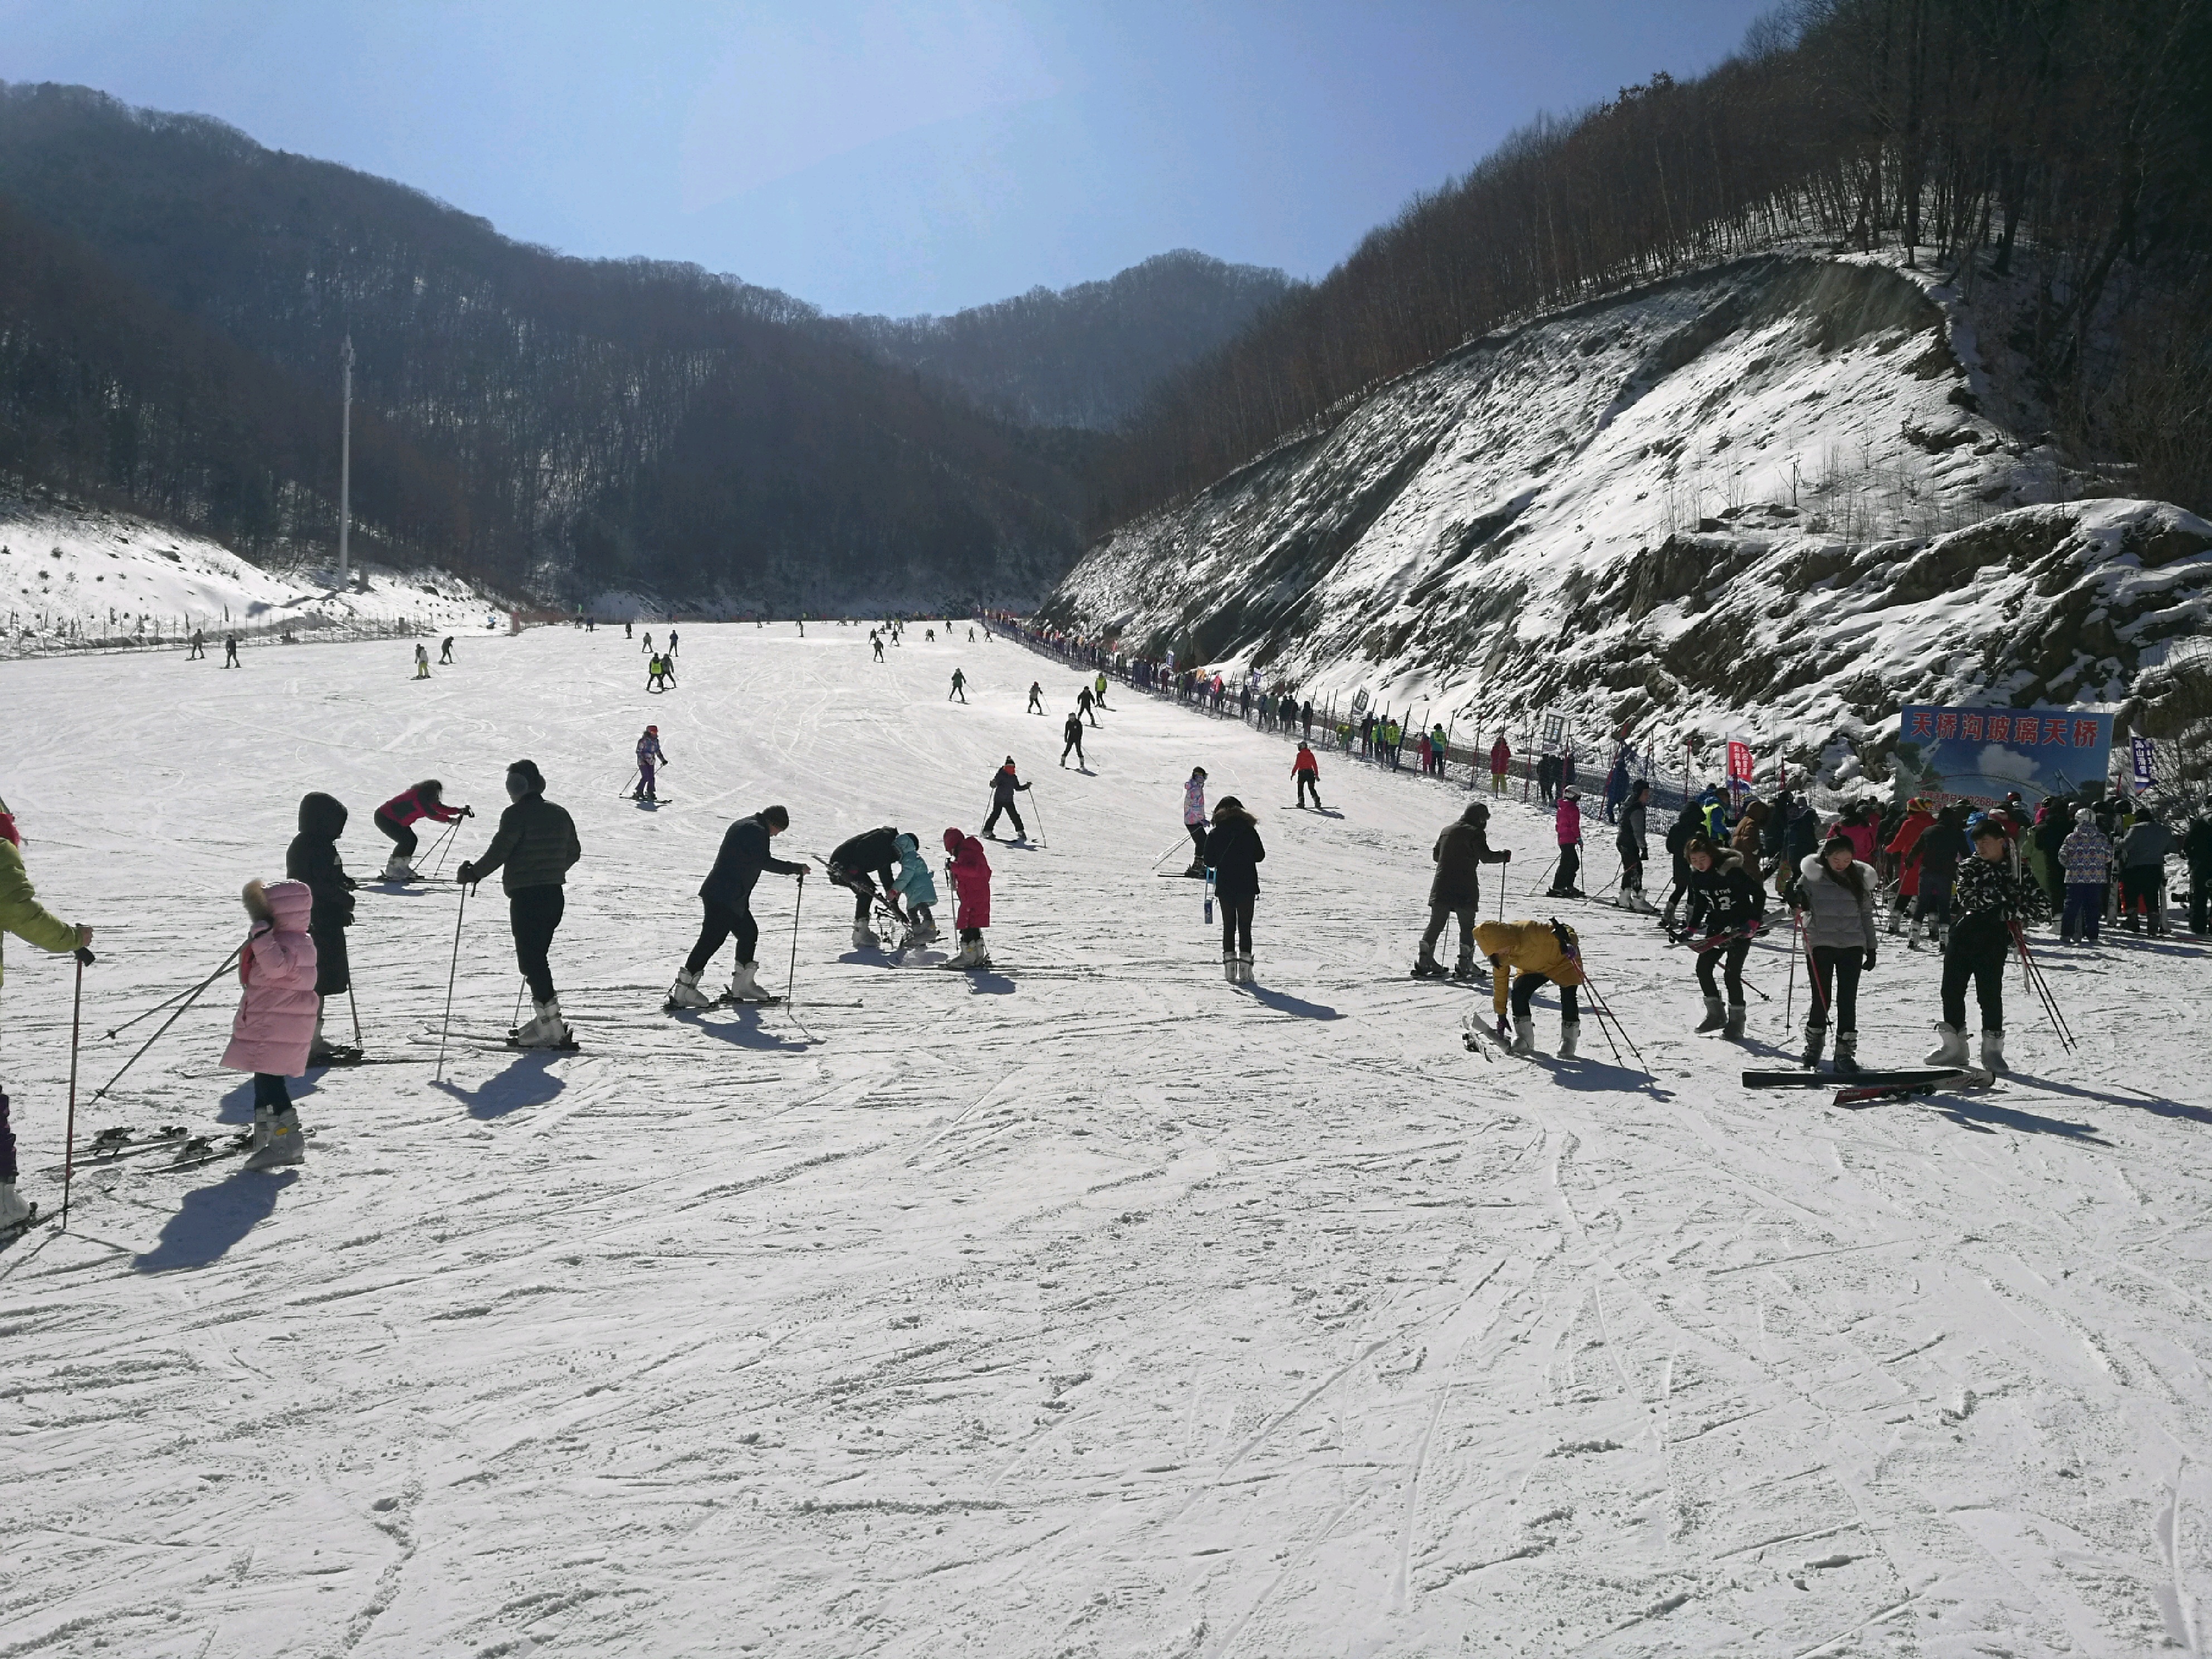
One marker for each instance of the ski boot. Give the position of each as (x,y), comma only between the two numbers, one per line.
(1570,1033)
(276,1139)
(1993,1058)
(980,957)
(397,868)
(545,1029)
(1847,1054)
(863,939)
(686,994)
(744,985)
(1951,1050)
(14,1211)
(1732,1031)
(1466,969)
(1427,967)
(1816,1040)
(1716,1016)
(1228,966)
(1197,868)
(1525,1034)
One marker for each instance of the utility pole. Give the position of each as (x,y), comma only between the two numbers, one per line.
(345,463)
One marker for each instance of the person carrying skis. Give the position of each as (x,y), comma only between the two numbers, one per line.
(959,686)
(534,849)
(1688,825)
(1501,757)
(2087,858)
(1194,819)
(446,651)
(1631,841)
(1036,698)
(649,756)
(312,859)
(1836,892)
(851,863)
(1727,907)
(275,1025)
(1905,847)
(2197,848)
(1531,955)
(1003,787)
(1234,846)
(727,896)
(21,915)
(1456,889)
(970,873)
(397,815)
(1305,770)
(200,646)
(1987,901)
(2143,872)
(1567,824)
(1071,736)
(919,889)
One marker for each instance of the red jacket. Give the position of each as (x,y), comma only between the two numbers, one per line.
(409,806)
(1305,761)
(1905,843)
(1500,756)
(971,880)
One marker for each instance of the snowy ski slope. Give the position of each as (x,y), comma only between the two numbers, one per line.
(1092,1307)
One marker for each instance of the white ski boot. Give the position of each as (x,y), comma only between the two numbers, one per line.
(979,955)
(276,1139)
(1525,1034)
(397,868)
(964,957)
(1993,1058)
(864,940)
(745,986)
(1952,1050)
(1570,1033)
(14,1212)
(545,1029)
(1732,1031)
(686,994)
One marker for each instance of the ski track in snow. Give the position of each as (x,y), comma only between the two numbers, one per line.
(1092,1307)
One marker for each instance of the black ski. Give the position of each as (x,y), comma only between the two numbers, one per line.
(1868,1094)
(1922,1077)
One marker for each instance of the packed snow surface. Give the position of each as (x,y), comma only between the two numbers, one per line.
(1089,1306)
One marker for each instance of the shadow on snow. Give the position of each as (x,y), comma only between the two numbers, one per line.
(212,1219)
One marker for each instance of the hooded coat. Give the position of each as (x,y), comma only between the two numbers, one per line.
(971,881)
(275,1019)
(914,883)
(1233,848)
(1460,854)
(1525,947)
(312,857)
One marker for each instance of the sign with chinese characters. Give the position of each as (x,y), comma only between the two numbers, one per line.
(1983,755)
(1740,765)
(2144,753)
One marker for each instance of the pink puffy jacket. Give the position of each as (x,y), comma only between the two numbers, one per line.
(276,1016)
(1568,822)
(971,880)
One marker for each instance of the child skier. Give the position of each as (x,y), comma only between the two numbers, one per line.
(275,1019)
(396,816)
(1305,770)
(971,887)
(1528,955)
(312,858)
(1036,698)
(919,889)
(1567,823)
(1194,819)
(422,661)
(649,755)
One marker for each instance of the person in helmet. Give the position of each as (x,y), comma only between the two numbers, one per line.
(649,756)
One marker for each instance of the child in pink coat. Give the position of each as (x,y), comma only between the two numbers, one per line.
(276,1017)
(971,884)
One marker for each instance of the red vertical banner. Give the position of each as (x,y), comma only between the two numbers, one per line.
(1740,765)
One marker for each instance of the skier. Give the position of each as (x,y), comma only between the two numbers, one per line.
(200,646)
(275,1026)
(1084,701)
(1616,786)
(1567,823)
(970,872)
(1071,736)
(647,648)
(446,651)
(230,652)
(919,889)
(1904,846)
(1194,819)
(535,847)
(1235,848)
(312,859)
(2143,872)
(407,808)
(1456,889)
(1036,698)
(1726,908)
(2087,858)
(1987,901)
(671,653)
(1529,954)
(422,661)
(656,673)
(1305,768)
(1501,757)
(1632,841)
(2196,846)
(727,896)
(959,686)
(1836,892)
(1099,686)
(21,915)
(850,865)
(876,643)
(649,756)
(626,631)
(1003,787)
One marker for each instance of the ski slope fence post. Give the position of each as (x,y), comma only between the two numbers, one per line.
(445,1024)
(76,1027)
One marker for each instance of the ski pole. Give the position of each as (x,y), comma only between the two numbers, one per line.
(76,1026)
(355,1007)
(1605,1008)
(1796,931)
(101,1091)
(1037,807)
(191,990)
(791,975)
(1163,858)
(623,794)
(514,1020)
(2043,989)
(446,1023)
(444,843)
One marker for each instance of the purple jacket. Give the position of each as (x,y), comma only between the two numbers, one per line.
(276,1017)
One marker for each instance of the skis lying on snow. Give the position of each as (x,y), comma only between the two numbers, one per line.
(1917,1077)
(1858,1092)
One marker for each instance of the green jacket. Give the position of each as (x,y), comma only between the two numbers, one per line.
(20,913)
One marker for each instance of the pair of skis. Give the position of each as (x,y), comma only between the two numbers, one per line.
(1866,1088)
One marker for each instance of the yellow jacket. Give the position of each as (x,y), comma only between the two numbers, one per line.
(1528,947)
(20,913)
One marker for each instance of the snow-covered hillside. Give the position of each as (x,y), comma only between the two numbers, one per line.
(73,577)
(1091,1308)
(1773,501)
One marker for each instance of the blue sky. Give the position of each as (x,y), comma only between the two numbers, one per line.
(881,157)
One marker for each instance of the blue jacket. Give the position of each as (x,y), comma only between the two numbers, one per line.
(914,883)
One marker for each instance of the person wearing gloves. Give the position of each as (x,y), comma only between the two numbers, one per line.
(971,888)
(312,858)
(1306,771)
(727,895)
(1987,901)
(534,848)
(275,1019)
(1632,841)
(1456,889)
(1237,850)
(2085,857)
(1528,955)
(1194,819)
(21,915)
(1004,785)
(1727,907)
(919,889)
(650,755)
(1836,891)
(863,866)
(397,816)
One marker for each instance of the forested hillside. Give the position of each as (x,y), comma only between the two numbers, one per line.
(1086,355)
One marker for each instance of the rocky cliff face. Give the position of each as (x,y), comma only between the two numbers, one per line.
(1773,501)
